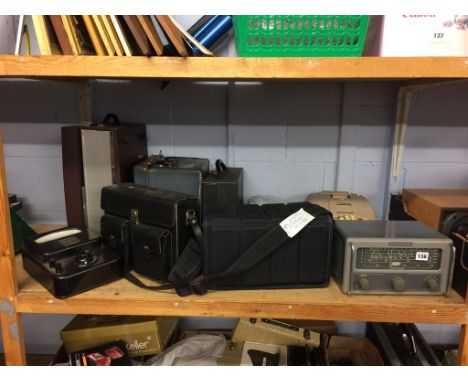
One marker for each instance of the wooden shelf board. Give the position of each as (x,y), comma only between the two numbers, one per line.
(234,68)
(121,297)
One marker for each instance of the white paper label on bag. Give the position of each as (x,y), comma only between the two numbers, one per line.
(295,222)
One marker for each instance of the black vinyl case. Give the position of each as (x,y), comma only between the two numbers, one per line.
(224,187)
(302,262)
(159,228)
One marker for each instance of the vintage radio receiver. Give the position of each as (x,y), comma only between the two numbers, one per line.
(343,205)
(391,257)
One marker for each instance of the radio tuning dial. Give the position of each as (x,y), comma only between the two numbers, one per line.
(398,284)
(432,285)
(364,284)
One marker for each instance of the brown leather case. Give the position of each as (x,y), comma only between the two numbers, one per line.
(127,145)
(431,206)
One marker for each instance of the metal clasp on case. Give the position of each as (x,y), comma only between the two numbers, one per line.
(190,217)
(134,216)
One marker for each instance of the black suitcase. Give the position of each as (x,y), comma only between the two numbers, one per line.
(159,224)
(172,173)
(301,262)
(225,186)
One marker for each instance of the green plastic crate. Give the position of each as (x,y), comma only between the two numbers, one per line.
(300,36)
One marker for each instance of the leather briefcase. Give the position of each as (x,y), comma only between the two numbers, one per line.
(159,225)
(95,156)
(225,186)
(172,173)
(229,237)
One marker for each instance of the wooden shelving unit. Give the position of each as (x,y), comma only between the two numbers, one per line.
(19,293)
(121,297)
(226,68)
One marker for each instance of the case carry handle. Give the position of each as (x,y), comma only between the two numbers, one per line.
(220,166)
(111,119)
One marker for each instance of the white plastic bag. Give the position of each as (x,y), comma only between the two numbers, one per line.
(199,350)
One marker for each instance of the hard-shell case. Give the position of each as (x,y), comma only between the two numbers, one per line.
(159,227)
(223,187)
(95,156)
(172,173)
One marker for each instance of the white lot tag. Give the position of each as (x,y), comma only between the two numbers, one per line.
(422,256)
(295,222)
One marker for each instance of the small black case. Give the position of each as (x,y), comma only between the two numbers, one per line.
(151,251)
(114,233)
(225,186)
(302,262)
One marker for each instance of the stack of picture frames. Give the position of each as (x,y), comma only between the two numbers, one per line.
(113,35)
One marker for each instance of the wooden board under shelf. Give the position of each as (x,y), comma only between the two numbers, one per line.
(234,68)
(121,297)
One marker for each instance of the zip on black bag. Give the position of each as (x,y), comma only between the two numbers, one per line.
(184,276)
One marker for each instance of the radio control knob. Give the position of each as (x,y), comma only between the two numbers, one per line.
(364,284)
(432,285)
(398,284)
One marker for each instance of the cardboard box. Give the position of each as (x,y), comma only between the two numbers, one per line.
(142,335)
(351,351)
(424,35)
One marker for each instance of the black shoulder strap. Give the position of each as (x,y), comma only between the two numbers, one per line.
(186,269)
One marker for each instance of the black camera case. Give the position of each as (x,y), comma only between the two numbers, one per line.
(151,225)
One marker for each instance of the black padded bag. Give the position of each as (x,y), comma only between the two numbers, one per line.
(301,262)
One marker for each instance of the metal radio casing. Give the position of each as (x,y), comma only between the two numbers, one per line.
(391,257)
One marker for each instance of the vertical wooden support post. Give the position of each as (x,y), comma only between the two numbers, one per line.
(350,115)
(11,323)
(85,101)
(463,345)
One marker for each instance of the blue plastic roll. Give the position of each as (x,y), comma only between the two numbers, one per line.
(212,34)
(198,34)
